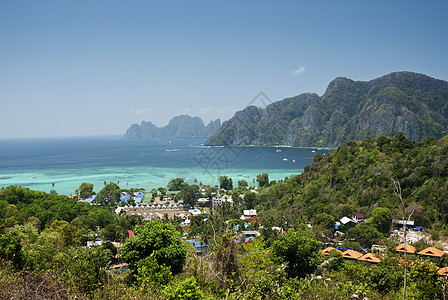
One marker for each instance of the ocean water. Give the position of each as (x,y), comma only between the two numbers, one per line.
(67,162)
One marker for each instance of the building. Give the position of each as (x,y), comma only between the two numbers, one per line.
(358,217)
(433,252)
(409,249)
(370,257)
(351,254)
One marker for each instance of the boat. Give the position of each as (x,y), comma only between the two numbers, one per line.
(285,159)
(278,150)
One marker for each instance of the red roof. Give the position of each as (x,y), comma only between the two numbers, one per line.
(327,251)
(409,248)
(431,251)
(131,233)
(352,254)
(443,271)
(370,257)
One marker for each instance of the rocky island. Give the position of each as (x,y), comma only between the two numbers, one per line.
(407,102)
(182,126)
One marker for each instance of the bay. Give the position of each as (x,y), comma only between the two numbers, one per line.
(67,162)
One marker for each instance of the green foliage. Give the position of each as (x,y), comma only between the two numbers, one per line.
(301,253)
(263,179)
(242,183)
(176,184)
(189,194)
(149,272)
(11,250)
(85,190)
(381,219)
(250,200)
(225,182)
(186,290)
(84,267)
(366,234)
(109,195)
(160,240)
(425,281)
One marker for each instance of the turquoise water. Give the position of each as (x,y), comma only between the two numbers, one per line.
(67,162)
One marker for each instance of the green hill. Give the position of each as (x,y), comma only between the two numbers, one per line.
(359,177)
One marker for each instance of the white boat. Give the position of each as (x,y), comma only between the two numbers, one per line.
(285,159)
(278,150)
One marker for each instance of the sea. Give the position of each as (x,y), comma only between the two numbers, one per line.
(39,163)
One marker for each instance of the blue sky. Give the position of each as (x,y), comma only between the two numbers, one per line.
(75,68)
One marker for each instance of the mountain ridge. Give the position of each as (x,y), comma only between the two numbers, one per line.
(182,126)
(407,102)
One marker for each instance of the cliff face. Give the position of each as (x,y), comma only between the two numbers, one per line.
(348,110)
(182,126)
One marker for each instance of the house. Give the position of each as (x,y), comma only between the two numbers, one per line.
(431,251)
(249,214)
(124,196)
(401,223)
(409,249)
(90,199)
(443,271)
(195,211)
(370,257)
(139,196)
(351,254)
(249,234)
(347,222)
(328,250)
(200,248)
(358,217)
(378,248)
(219,200)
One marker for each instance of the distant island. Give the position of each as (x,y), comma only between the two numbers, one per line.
(407,102)
(182,126)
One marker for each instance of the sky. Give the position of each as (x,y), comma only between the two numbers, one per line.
(82,68)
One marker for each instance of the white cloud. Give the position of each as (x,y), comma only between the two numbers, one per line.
(141,111)
(186,110)
(299,71)
(206,111)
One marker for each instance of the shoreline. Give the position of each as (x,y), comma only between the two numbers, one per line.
(68,180)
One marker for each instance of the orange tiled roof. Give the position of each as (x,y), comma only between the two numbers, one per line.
(443,271)
(327,251)
(400,261)
(409,248)
(431,251)
(352,254)
(370,257)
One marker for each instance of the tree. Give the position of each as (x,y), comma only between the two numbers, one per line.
(263,179)
(243,183)
(301,253)
(11,250)
(381,219)
(366,234)
(250,200)
(225,182)
(186,290)
(176,184)
(425,281)
(189,194)
(110,194)
(160,240)
(85,190)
